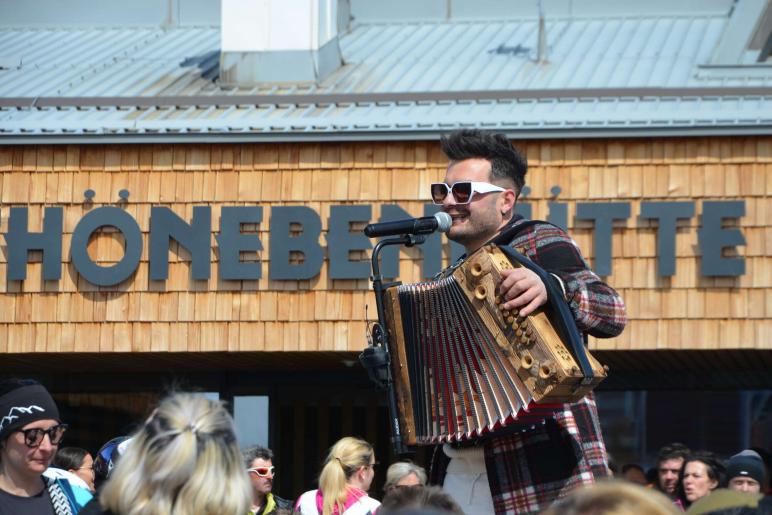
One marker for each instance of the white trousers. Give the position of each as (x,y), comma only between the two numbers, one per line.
(466,480)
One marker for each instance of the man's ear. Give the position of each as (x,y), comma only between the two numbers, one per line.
(508,199)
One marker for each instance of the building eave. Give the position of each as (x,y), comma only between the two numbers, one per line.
(344,136)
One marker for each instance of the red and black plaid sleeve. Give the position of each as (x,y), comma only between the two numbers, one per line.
(598,309)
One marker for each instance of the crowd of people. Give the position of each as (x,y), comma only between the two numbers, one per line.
(688,478)
(185,459)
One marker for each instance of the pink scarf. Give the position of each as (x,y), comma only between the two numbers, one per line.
(354,494)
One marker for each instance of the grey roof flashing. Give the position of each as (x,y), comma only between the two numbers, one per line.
(384,99)
(418,132)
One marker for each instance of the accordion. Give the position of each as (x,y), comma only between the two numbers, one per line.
(463,367)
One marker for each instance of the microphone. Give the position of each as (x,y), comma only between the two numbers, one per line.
(426,225)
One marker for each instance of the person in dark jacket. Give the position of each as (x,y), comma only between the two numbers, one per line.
(30,433)
(259,463)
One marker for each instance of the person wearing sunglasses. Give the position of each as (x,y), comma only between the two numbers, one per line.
(30,433)
(480,190)
(78,462)
(404,474)
(259,463)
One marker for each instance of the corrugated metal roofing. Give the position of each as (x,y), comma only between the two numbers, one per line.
(629,58)
(106,62)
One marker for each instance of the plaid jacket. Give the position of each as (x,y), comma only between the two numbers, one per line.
(598,309)
(529,470)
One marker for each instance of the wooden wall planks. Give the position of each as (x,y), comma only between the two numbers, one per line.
(687,311)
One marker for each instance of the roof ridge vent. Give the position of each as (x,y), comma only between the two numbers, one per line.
(762,38)
(747,18)
(541,45)
(278,41)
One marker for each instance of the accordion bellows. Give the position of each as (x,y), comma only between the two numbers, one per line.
(463,367)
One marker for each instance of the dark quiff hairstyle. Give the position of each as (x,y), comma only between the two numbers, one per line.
(673,451)
(69,458)
(506,161)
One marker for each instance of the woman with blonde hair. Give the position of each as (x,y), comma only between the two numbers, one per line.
(343,483)
(183,461)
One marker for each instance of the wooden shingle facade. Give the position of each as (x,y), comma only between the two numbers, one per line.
(686,311)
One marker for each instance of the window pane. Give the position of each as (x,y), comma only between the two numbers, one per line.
(250,413)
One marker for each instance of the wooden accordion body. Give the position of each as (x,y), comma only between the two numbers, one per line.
(464,368)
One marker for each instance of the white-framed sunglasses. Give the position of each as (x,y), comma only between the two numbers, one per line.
(262,471)
(463,191)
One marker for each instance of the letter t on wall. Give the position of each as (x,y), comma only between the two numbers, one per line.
(603,214)
(667,215)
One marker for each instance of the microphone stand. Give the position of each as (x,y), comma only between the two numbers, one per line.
(375,357)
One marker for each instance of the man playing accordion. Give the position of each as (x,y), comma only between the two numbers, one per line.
(525,471)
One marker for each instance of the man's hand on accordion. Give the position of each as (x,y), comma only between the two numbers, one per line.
(522,289)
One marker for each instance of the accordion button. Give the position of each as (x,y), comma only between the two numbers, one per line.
(498,299)
(510,319)
(547,370)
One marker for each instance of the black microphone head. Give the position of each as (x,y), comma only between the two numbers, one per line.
(426,225)
(371,230)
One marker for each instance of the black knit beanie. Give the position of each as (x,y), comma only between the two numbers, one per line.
(746,464)
(25,402)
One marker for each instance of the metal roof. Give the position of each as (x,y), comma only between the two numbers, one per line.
(603,76)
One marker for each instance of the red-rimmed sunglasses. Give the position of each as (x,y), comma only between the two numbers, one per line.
(262,471)
(463,191)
